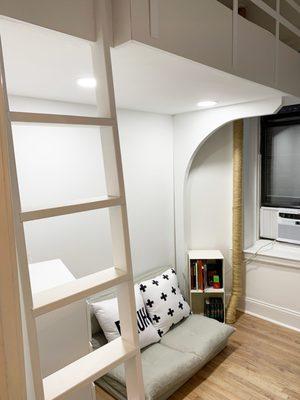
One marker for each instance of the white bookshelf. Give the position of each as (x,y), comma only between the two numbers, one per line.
(198,296)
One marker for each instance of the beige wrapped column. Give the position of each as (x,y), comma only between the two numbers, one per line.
(237,222)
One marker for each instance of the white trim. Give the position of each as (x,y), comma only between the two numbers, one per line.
(275,261)
(277,35)
(235,17)
(271,312)
(282,255)
(154,18)
(258,177)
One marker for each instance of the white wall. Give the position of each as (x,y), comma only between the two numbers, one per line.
(59,164)
(270,283)
(190,132)
(147,153)
(209,197)
(272,291)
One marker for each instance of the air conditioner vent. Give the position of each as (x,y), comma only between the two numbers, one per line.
(289,226)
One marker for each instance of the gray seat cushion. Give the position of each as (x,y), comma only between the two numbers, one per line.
(169,364)
(162,367)
(198,335)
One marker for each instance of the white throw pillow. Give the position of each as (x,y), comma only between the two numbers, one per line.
(164,301)
(107,314)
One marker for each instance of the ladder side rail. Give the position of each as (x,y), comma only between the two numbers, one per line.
(12,371)
(21,244)
(115,186)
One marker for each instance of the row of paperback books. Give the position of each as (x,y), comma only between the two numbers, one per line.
(214,308)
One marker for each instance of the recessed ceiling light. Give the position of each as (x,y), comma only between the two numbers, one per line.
(206,103)
(87,82)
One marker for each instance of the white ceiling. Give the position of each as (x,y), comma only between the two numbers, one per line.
(44,64)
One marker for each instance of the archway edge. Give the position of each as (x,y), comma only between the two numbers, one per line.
(191,130)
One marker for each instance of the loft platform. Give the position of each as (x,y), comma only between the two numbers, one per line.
(175,28)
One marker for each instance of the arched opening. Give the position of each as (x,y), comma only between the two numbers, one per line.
(208,211)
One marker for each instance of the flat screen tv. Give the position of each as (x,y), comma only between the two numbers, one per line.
(280,158)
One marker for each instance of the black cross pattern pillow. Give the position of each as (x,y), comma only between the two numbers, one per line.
(164,302)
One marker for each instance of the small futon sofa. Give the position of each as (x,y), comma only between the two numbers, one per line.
(168,364)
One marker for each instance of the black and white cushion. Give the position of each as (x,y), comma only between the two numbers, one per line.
(107,314)
(163,300)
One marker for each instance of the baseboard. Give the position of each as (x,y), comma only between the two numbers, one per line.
(271,312)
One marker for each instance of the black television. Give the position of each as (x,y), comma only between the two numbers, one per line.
(280,158)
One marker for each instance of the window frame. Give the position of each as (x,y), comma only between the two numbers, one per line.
(284,119)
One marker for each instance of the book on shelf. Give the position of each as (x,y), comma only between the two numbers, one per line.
(204,276)
(200,274)
(196,275)
(193,267)
(214,308)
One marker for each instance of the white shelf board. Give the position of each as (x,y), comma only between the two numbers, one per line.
(205,255)
(71,208)
(59,296)
(208,290)
(213,290)
(87,369)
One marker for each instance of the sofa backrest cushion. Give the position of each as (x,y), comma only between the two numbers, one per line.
(107,314)
(111,293)
(164,302)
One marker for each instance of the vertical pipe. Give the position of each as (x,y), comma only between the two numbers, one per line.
(237,221)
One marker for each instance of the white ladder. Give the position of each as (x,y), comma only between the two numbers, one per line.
(126,348)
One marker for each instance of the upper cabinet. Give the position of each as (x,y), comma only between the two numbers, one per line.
(255,39)
(74,17)
(182,27)
(198,30)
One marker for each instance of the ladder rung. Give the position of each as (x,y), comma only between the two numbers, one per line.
(36,118)
(87,369)
(71,208)
(62,295)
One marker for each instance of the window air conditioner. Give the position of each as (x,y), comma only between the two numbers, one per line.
(288,226)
